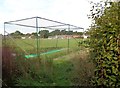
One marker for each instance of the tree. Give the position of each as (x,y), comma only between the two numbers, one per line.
(44,33)
(34,34)
(63,32)
(105,43)
(17,34)
(55,32)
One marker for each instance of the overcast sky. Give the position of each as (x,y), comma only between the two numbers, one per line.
(67,11)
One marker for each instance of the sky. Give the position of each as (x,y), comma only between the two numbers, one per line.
(67,11)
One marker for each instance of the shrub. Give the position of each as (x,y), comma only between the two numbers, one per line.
(105,44)
(83,70)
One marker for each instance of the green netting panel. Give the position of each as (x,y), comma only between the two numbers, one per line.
(49,52)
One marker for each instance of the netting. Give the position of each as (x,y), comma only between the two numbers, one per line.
(38,36)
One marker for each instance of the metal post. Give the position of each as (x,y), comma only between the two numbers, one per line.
(83,36)
(68,38)
(57,42)
(39,40)
(37,36)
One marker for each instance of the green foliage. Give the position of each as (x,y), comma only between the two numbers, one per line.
(44,33)
(84,43)
(47,73)
(105,44)
(83,68)
(58,69)
(17,34)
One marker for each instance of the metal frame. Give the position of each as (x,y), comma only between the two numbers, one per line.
(47,27)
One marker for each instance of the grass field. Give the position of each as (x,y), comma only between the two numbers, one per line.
(30,45)
(47,42)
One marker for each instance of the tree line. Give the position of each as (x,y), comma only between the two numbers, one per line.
(46,33)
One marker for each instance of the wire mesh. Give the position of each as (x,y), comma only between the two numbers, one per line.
(36,35)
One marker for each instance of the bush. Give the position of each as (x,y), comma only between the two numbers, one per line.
(105,45)
(83,68)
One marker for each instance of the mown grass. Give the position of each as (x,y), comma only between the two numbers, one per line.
(31,44)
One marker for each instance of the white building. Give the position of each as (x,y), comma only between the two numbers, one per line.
(23,37)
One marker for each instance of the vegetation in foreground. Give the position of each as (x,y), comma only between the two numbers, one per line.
(74,69)
(77,70)
(52,70)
